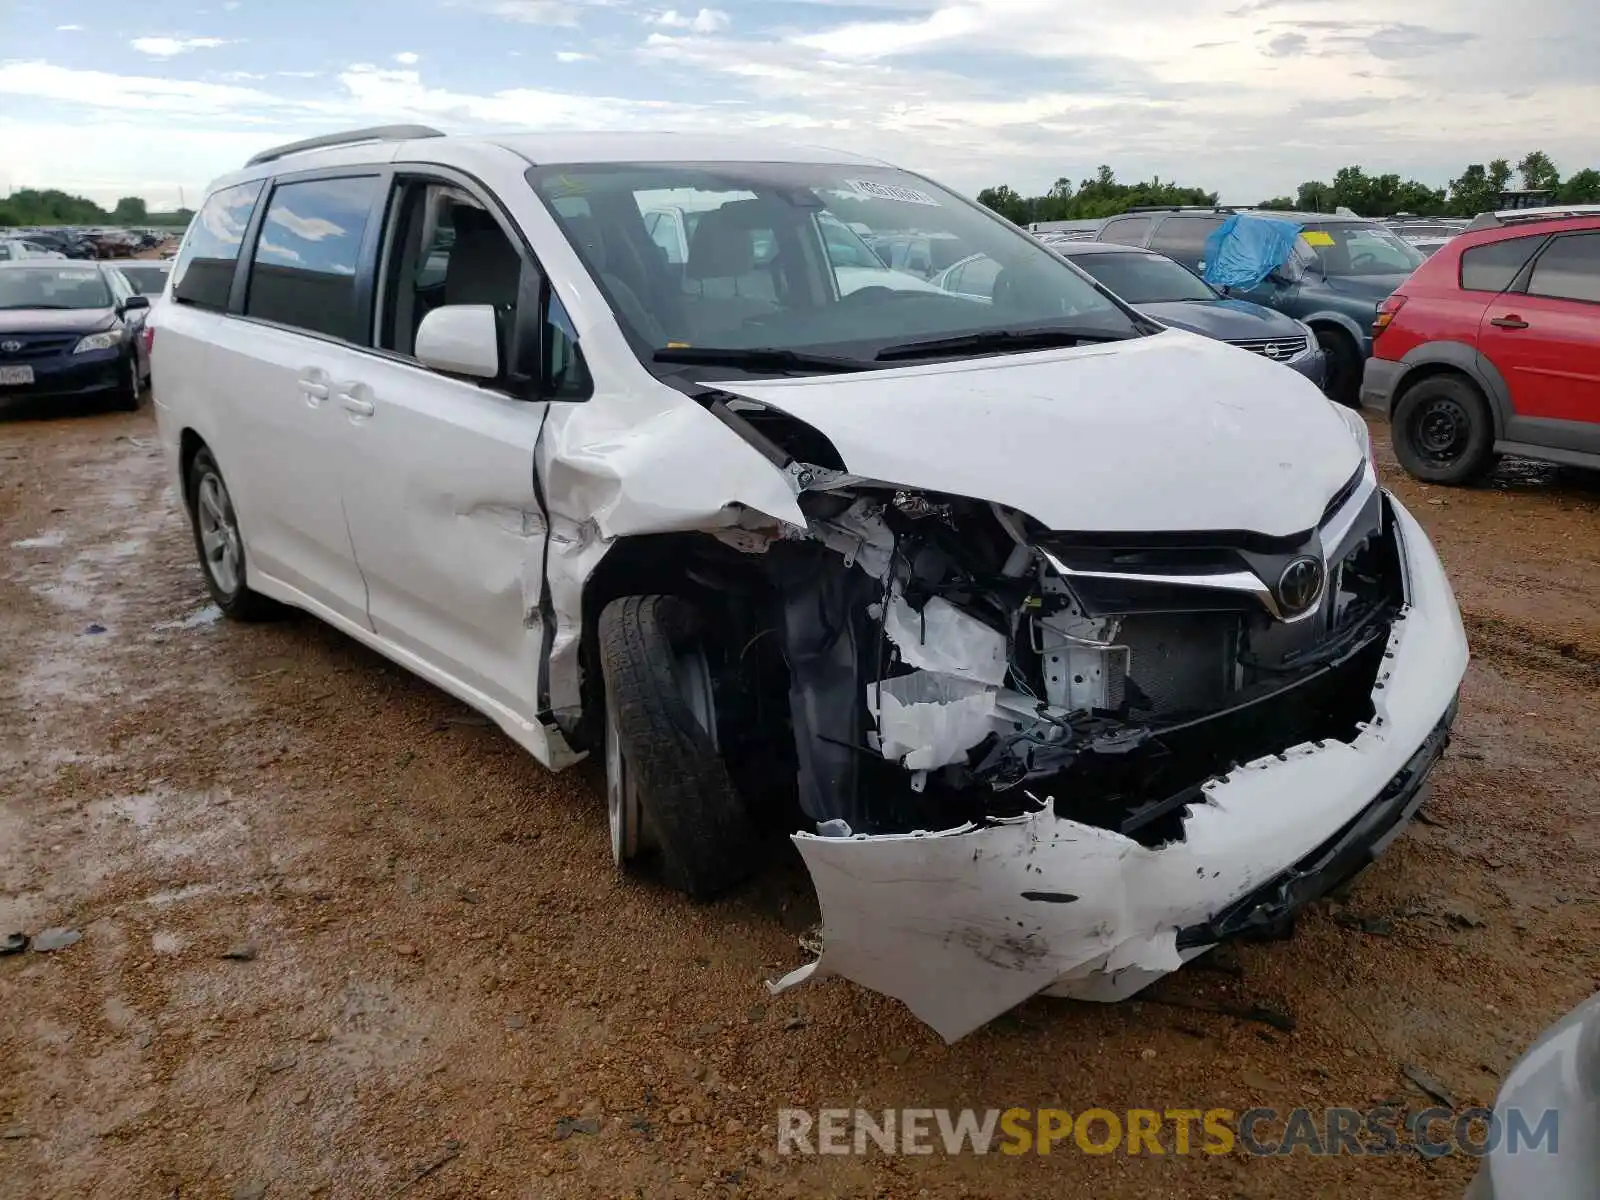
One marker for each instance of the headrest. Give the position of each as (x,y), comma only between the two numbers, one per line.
(724,242)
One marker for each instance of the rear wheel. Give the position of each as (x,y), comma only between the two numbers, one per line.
(219,544)
(1344,366)
(1443,431)
(668,791)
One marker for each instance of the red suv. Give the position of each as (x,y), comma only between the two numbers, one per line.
(1492,347)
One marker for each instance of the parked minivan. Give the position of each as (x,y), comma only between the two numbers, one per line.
(1064,645)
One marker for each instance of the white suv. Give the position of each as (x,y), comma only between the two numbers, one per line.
(1071,645)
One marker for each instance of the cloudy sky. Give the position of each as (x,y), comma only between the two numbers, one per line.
(110,98)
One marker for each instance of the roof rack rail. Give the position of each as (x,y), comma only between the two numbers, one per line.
(1206,208)
(377,133)
(1526,216)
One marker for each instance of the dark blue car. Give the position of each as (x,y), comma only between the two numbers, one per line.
(69,329)
(1160,288)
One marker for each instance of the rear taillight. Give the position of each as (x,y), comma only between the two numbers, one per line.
(149,336)
(1386,312)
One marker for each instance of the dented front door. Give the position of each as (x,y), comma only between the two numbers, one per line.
(448,530)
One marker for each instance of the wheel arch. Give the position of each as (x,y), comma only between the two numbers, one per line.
(1432,359)
(695,565)
(190,444)
(1342,322)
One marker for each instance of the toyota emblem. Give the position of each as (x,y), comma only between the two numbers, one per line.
(10,347)
(1300,585)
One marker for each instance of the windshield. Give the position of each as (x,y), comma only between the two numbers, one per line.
(1346,251)
(835,260)
(1143,278)
(53,287)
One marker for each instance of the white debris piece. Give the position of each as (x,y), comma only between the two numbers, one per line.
(942,638)
(926,720)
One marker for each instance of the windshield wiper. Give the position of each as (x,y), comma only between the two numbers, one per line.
(996,339)
(21,307)
(759,358)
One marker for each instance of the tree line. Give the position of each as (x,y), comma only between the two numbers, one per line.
(51,206)
(1475,190)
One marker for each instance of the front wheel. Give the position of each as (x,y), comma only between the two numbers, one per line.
(668,791)
(1344,367)
(127,394)
(1443,431)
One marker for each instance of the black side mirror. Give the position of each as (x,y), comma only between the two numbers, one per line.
(133,302)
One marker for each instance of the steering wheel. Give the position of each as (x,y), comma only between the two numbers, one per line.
(1357,261)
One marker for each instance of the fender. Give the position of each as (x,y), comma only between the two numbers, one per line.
(1330,316)
(1465,358)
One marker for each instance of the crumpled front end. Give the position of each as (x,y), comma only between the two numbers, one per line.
(1147,746)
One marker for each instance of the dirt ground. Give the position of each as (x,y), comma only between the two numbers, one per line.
(442,988)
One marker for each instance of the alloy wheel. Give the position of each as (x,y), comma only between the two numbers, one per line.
(219,533)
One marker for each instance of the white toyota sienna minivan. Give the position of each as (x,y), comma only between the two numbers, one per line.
(1064,645)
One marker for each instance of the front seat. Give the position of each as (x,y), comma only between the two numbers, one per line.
(731,287)
(484,267)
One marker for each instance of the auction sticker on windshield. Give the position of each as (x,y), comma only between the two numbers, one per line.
(1316,237)
(891,191)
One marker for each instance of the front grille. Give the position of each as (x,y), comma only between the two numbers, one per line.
(1277,349)
(35,346)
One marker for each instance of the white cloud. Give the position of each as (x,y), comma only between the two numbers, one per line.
(126,93)
(69,28)
(307,229)
(975,92)
(535,12)
(167,47)
(707,20)
(880,39)
(408,58)
(282,252)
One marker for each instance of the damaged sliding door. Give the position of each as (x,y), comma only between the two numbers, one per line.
(449,531)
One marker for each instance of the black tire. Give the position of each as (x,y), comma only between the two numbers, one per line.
(692,812)
(1443,431)
(126,397)
(237,601)
(1344,367)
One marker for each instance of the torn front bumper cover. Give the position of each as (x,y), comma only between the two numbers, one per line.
(964,924)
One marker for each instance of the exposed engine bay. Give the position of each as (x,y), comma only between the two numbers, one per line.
(947,662)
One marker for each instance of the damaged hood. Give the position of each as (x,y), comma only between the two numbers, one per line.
(1169,432)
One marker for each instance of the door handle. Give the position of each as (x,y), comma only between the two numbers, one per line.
(313,384)
(355,398)
(1511,321)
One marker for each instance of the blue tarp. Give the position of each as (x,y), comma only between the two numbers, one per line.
(1245,248)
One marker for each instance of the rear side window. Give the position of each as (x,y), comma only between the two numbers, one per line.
(203,274)
(1492,267)
(1569,269)
(1128,231)
(304,270)
(1184,238)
